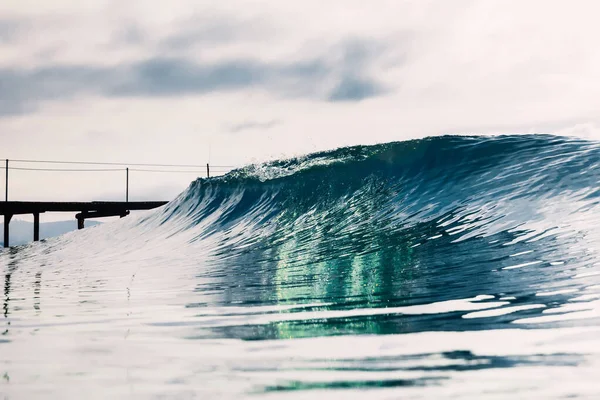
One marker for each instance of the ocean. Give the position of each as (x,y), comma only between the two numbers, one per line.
(453,267)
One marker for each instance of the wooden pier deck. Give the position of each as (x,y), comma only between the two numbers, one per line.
(85,210)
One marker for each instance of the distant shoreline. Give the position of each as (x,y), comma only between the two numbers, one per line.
(21,232)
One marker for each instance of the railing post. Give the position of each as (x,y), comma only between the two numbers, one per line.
(6,190)
(127,186)
(207,170)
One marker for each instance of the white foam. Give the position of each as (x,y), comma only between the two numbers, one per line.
(586,274)
(521,253)
(502,311)
(586,297)
(523,265)
(567,312)
(561,291)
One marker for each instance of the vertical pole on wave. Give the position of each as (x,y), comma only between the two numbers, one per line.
(207,170)
(127,185)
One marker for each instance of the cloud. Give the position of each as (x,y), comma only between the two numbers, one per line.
(199,32)
(173,76)
(22,91)
(355,88)
(212,31)
(9,30)
(334,79)
(130,35)
(354,85)
(254,125)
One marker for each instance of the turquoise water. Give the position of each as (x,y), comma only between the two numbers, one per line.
(449,267)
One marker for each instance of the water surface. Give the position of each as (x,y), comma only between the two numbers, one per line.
(451,267)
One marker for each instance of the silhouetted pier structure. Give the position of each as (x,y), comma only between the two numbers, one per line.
(85,210)
(93,209)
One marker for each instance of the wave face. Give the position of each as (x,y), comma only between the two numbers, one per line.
(429,268)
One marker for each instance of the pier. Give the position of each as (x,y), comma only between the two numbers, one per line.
(89,209)
(84,210)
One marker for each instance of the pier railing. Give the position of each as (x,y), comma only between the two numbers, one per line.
(203,170)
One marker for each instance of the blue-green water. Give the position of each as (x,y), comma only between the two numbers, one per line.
(450,267)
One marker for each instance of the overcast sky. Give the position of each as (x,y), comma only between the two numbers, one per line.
(235,82)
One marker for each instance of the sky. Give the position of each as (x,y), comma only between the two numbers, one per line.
(238,82)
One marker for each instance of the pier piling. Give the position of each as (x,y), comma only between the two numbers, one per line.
(7,218)
(36,227)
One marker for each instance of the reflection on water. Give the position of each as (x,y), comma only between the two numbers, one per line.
(10,269)
(442,268)
(37,288)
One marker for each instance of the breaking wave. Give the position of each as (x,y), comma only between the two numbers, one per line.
(449,236)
